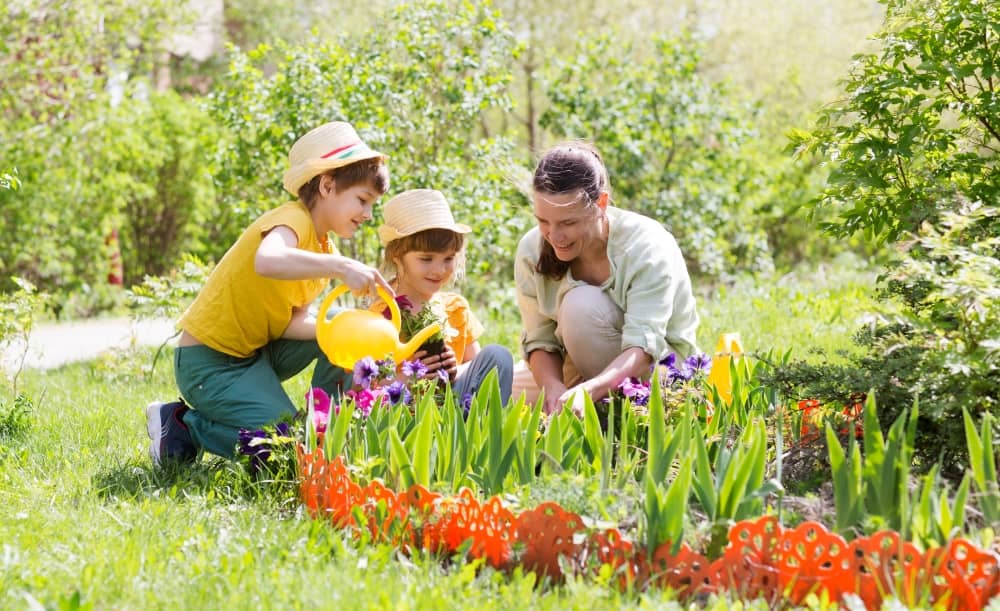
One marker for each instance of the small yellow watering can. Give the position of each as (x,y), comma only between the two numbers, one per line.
(728,349)
(351,335)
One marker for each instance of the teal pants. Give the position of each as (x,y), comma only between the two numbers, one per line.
(227,393)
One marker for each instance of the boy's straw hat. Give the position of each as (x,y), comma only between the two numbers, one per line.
(416,210)
(326,147)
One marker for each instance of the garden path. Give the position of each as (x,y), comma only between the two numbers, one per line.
(51,345)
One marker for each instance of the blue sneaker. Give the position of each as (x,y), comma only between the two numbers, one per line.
(169,438)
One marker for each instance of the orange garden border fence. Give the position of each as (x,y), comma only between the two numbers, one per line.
(762,559)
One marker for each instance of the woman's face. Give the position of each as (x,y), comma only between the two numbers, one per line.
(569,224)
(421,274)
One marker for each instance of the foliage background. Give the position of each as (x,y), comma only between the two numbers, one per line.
(178,153)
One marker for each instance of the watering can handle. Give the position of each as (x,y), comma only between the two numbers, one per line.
(321,319)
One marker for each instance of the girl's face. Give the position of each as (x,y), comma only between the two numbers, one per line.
(343,212)
(570,225)
(421,274)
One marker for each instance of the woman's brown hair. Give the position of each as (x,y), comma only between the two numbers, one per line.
(566,168)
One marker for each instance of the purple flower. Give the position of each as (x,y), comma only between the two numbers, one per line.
(699,362)
(364,371)
(414,369)
(669,360)
(635,390)
(398,393)
(679,374)
(254,444)
(443,376)
(466,404)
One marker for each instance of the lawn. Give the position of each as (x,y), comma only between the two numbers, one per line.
(86,522)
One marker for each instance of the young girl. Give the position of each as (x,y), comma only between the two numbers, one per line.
(423,252)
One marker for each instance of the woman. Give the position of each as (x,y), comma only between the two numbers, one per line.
(604,293)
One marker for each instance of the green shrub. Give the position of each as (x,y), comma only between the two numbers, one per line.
(168,195)
(940,349)
(15,419)
(674,143)
(414,86)
(18,312)
(75,126)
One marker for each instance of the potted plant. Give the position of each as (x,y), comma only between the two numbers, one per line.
(413,319)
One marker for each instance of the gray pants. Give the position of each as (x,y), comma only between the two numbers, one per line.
(490,357)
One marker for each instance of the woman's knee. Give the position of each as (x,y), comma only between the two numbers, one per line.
(589,308)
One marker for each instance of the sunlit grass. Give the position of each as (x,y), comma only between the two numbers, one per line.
(86,522)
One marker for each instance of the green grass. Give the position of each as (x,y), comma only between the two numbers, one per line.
(86,522)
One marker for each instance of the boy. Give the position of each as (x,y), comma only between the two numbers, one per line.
(248,330)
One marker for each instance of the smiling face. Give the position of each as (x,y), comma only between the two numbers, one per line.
(572,226)
(420,274)
(342,212)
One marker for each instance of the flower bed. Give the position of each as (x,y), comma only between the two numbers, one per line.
(762,559)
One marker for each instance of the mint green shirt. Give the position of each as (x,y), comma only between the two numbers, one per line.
(649,281)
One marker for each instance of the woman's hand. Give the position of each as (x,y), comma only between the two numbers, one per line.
(575,397)
(553,403)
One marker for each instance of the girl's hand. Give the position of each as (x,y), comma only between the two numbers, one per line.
(446,361)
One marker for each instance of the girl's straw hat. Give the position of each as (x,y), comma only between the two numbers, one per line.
(327,147)
(416,210)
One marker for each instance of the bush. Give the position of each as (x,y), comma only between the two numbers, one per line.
(415,87)
(675,145)
(942,348)
(77,135)
(919,125)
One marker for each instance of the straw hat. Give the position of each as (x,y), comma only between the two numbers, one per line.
(327,147)
(416,210)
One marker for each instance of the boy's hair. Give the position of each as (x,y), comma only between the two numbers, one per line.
(373,172)
(429,240)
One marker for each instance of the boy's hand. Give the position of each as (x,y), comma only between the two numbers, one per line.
(363,280)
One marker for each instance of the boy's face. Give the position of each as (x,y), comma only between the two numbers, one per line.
(342,212)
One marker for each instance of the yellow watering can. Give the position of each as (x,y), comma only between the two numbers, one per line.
(728,348)
(351,335)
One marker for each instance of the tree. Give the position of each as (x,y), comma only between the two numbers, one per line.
(414,86)
(918,130)
(71,72)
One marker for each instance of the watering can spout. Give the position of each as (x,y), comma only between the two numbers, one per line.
(406,350)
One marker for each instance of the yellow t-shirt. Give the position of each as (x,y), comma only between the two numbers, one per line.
(239,311)
(466,328)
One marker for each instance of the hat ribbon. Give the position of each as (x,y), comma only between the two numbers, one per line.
(338,151)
